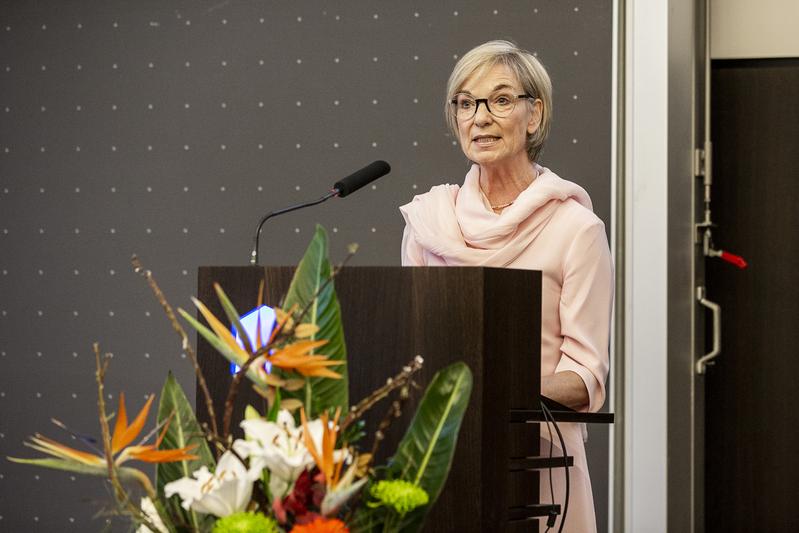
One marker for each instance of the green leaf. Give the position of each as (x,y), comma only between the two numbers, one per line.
(424,455)
(124,473)
(271,416)
(183,430)
(311,274)
(233,317)
(64,464)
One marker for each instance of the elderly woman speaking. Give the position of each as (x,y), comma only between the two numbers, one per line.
(512,212)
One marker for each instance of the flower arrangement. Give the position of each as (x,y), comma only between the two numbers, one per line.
(302,465)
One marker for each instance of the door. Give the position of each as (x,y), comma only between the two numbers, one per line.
(751,413)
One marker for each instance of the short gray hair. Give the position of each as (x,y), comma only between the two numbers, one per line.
(530,72)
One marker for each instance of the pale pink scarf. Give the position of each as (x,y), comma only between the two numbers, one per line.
(456,224)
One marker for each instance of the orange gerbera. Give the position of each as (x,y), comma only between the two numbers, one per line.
(322,525)
(123,435)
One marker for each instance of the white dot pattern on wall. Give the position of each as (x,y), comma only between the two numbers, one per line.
(169,132)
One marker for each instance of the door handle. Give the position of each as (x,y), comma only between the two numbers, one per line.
(707,359)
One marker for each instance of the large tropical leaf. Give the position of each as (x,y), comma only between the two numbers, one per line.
(183,431)
(311,274)
(424,455)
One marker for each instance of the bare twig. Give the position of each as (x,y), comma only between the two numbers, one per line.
(121,495)
(231,394)
(394,411)
(102,366)
(400,380)
(185,344)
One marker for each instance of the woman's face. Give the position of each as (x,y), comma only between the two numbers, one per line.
(490,140)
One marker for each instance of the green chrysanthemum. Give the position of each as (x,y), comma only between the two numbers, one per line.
(401,495)
(246,523)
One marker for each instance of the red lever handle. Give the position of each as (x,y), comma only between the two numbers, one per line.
(736,260)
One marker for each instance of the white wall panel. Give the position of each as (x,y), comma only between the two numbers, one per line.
(745,29)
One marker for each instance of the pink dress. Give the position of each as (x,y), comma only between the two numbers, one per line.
(550,227)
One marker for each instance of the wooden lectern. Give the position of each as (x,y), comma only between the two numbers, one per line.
(489,318)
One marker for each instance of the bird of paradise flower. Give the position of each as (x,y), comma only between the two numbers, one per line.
(64,457)
(295,356)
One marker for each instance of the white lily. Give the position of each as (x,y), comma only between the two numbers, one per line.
(279,447)
(228,490)
(149,511)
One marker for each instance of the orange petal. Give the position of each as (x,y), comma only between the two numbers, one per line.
(164,456)
(133,430)
(261,287)
(319,373)
(303,360)
(163,432)
(280,321)
(306,346)
(121,424)
(221,331)
(337,473)
(306,437)
(51,447)
(328,442)
(259,342)
(321,360)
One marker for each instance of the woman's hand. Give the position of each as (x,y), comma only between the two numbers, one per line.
(566,388)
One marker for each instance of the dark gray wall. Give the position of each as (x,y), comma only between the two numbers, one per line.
(168,128)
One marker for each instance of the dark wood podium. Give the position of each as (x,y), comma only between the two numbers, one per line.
(486,317)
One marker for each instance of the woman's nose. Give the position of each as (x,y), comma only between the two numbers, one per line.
(482,115)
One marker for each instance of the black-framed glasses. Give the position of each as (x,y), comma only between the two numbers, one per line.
(464,106)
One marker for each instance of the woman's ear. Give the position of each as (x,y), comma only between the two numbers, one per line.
(535,117)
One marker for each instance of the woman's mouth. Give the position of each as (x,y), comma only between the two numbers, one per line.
(485,140)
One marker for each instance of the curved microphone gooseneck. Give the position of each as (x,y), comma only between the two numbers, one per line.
(254,253)
(342,188)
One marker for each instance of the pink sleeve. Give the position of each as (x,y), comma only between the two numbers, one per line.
(412,254)
(585,307)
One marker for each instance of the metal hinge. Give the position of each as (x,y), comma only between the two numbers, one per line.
(699,162)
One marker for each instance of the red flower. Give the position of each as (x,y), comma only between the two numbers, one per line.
(322,525)
(300,497)
(304,500)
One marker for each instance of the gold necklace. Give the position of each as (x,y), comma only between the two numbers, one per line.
(502,206)
(494,207)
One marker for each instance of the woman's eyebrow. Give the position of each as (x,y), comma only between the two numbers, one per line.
(495,89)
(501,86)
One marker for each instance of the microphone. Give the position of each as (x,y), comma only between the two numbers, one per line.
(362,177)
(342,188)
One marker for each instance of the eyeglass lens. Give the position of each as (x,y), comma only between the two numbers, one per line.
(499,105)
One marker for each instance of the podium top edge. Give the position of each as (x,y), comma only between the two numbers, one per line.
(370,267)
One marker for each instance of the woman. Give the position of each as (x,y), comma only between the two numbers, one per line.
(512,212)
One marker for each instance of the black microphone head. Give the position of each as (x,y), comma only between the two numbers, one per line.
(362,177)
